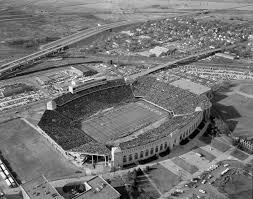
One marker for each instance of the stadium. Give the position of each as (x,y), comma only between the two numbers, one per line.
(117,123)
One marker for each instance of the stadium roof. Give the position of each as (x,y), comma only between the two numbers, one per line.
(39,188)
(193,87)
(92,148)
(99,189)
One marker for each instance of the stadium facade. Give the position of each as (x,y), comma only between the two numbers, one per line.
(120,123)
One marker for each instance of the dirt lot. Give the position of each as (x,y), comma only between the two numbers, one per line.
(30,155)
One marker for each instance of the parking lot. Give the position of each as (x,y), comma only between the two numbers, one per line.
(204,156)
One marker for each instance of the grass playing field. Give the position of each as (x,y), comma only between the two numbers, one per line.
(29,154)
(120,122)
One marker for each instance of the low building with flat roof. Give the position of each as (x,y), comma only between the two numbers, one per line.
(39,188)
(84,70)
(98,189)
(225,55)
(95,188)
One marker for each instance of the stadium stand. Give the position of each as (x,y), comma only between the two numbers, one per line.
(61,130)
(64,123)
(165,95)
(162,131)
(68,97)
(91,103)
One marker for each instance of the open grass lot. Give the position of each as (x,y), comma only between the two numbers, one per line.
(248,89)
(205,139)
(119,122)
(221,146)
(239,187)
(185,165)
(236,109)
(239,154)
(236,185)
(144,184)
(162,177)
(30,155)
(206,154)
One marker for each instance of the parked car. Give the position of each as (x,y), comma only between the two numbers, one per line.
(202,191)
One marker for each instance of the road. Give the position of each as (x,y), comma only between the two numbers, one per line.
(182,60)
(60,44)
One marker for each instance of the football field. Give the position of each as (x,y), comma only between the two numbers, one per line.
(122,121)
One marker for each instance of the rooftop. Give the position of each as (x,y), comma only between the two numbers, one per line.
(195,88)
(39,188)
(100,189)
(85,69)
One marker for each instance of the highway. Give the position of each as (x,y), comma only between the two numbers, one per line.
(60,44)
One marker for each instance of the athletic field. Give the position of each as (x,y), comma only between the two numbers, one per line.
(121,121)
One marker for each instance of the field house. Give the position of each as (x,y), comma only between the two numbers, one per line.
(118,123)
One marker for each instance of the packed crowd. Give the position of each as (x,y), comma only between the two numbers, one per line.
(62,130)
(91,103)
(165,95)
(61,124)
(170,125)
(68,97)
(182,72)
(214,74)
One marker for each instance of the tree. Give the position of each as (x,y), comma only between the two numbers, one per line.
(222,127)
